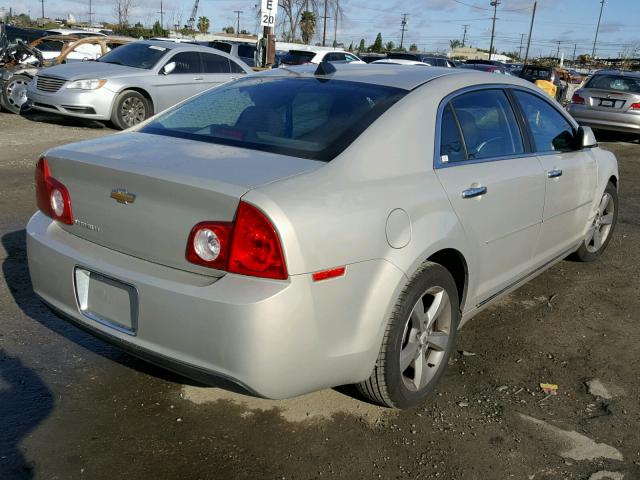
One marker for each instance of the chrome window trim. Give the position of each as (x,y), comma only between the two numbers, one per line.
(437,162)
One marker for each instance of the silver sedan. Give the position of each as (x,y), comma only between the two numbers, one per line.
(302,228)
(132,82)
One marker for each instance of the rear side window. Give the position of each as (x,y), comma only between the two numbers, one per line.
(235,68)
(551,131)
(246,51)
(450,140)
(488,124)
(300,117)
(213,63)
(224,47)
(618,83)
(186,62)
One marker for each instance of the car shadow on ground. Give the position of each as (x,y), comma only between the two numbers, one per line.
(16,272)
(63,121)
(25,401)
(609,136)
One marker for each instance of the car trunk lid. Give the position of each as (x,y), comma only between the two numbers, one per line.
(141,194)
(608,100)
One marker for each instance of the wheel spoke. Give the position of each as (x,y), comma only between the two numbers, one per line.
(590,234)
(440,302)
(438,341)
(421,370)
(597,239)
(607,219)
(418,316)
(606,198)
(408,355)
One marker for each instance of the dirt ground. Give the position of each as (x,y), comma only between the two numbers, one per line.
(72,407)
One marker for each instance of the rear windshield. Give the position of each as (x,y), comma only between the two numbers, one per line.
(539,73)
(619,83)
(297,58)
(137,55)
(302,117)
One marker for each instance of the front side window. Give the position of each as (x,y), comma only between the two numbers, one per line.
(302,117)
(488,124)
(551,131)
(186,62)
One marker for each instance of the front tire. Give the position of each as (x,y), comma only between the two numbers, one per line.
(14,93)
(130,108)
(418,341)
(602,227)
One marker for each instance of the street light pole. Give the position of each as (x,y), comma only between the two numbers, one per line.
(533,17)
(595,40)
(494,4)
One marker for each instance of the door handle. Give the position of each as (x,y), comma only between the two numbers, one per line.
(474,192)
(555,173)
(198,78)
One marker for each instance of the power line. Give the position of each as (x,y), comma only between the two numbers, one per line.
(403,25)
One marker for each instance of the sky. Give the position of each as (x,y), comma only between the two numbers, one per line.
(431,23)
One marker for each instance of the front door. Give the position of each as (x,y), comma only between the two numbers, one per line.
(184,81)
(570,177)
(495,187)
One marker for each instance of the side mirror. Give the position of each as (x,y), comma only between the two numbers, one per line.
(168,68)
(585,138)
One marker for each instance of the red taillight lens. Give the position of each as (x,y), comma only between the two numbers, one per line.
(248,246)
(255,247)
(635,106)
(577,99)
(52,197)
(208,244)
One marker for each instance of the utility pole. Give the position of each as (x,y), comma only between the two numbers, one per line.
(324,28)
(595,40)
(575,46)
(90,15)
(494,4)
(42,2)
(238,12)
(403,25)
(533,17)
(464,35)
(558,52)
(335,25)
(520,49)
(161,16)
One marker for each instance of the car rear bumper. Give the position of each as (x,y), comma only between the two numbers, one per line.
(90,104)
(615,121)
(276,339)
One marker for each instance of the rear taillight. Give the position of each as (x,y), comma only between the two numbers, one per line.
(577,99)
(52,197)
(635,106)
(248,246)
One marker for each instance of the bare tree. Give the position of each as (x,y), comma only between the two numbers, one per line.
(122,9)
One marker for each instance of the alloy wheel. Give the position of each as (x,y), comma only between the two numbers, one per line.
(133,111)
(600,228)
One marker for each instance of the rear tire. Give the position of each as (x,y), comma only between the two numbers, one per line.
(129,109)
(418,340)
(601,229)
(14,93)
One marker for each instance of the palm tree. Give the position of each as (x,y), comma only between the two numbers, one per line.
(203,24)
(307,26)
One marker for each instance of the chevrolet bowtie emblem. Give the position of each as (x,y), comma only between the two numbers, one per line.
(121,195)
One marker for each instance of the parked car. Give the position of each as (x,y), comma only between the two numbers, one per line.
(610,100)
(244,51)
(131,83)
(495,63)
(25,61)
(486,68)
(304,57)
(547,78)
(400,61)
(433,60)
(289,234)
(371,57)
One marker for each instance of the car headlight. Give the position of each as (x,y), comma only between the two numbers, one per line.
(92,84)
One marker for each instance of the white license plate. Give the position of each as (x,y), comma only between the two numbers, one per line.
(106,300)
(607,103)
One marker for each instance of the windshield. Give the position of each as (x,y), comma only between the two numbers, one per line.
(303,117)
(137,55)
(618,83)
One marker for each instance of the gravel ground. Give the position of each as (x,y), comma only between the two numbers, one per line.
(74,407)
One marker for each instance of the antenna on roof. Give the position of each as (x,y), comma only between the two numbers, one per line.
(324,68)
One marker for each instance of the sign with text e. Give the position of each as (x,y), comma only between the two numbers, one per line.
(268,13)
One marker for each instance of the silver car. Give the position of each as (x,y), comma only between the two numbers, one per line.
(610,100)
(300,229)
(132,82)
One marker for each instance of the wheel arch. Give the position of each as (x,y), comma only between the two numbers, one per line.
(454,261)
(142,92)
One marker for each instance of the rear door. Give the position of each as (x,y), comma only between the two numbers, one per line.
(570,176)
(494,184)
(216,70)
(185,80)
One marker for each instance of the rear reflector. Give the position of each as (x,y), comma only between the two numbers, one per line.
(327,274)
(635,106)
(577,99)
(52,197)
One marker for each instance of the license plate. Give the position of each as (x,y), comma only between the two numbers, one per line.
(607,103)
(106,300)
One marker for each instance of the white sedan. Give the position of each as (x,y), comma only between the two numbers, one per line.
(304,228)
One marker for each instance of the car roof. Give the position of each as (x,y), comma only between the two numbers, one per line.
(171,45)
(406,77)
